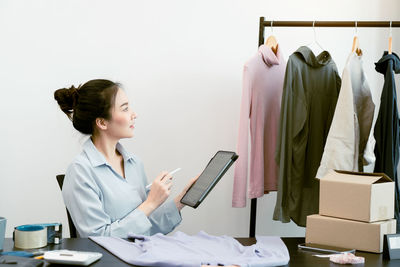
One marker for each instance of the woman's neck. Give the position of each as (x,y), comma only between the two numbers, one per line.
(106,146)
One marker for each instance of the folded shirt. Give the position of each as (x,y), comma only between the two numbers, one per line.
(181,249)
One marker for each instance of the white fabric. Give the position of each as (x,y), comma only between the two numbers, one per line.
(341,150)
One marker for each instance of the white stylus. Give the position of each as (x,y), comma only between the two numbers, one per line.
(170,173)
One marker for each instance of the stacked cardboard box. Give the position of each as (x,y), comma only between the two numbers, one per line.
(355,211)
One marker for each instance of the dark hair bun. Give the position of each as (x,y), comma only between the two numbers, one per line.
(94,99)
(66,99)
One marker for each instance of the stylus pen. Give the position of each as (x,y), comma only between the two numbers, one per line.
(171,173)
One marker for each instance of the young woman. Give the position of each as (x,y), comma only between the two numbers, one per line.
(105,186)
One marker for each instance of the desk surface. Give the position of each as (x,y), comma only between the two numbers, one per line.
(297,257)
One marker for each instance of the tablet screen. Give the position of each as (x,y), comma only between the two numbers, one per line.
(218,165)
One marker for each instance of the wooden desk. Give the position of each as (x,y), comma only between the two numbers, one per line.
(297,257)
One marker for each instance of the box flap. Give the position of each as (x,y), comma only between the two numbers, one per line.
(356,177)
(384,176)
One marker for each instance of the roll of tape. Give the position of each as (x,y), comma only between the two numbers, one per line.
(54,232)
(30,236)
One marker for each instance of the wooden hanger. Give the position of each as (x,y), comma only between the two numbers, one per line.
(390,39)
(356,44)
(271,42)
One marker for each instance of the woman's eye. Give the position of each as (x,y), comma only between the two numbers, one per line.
(126,109)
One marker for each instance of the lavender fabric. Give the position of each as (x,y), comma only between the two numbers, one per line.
(181,249)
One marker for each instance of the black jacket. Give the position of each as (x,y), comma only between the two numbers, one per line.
(387,128)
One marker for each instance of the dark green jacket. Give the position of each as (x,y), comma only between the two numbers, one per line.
(310,93)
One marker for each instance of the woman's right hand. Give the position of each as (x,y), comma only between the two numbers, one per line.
(159,192)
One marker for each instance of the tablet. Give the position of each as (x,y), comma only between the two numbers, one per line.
(213,172)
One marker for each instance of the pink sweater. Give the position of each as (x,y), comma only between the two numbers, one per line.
(263,77)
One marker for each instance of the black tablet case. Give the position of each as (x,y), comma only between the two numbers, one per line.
(213,172)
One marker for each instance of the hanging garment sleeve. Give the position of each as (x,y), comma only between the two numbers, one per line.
(241,166)
(283,153)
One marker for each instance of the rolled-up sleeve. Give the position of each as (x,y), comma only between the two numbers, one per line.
(165,218)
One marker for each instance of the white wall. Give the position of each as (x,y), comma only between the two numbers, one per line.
(181,65)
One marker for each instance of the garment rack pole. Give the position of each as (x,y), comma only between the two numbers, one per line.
(336,24)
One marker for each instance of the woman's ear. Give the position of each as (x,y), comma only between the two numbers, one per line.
(101,123)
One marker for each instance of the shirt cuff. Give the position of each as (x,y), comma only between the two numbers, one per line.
(172,212)
(136,222)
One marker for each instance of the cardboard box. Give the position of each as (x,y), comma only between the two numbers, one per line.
(343,233)
(367,197)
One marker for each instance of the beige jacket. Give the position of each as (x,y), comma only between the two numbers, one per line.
(350,143)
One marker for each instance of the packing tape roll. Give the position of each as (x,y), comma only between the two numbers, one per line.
(30,236)
(33,233)
(54,232)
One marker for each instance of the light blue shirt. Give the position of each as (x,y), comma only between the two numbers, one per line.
(103,203)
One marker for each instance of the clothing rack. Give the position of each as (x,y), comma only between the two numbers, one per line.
(338,24)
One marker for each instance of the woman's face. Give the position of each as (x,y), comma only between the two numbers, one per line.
(121,124)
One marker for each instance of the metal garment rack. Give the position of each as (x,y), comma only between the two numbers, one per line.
(336,24)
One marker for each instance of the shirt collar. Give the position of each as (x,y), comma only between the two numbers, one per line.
(125,154)
(97,159)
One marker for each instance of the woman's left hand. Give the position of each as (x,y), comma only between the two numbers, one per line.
(178,198)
